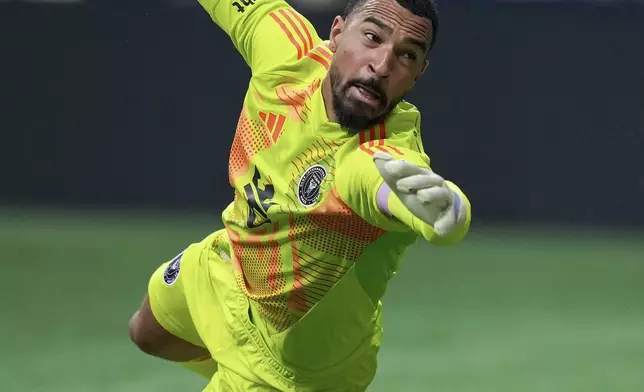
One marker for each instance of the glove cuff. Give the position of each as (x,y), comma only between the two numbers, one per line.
(382,199)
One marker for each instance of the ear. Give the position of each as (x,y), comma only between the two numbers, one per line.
(337,28)
(423,70)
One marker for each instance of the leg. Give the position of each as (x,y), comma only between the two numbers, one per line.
(162,327)
(151,338)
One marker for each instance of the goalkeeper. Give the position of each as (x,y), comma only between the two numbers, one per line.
(331,186)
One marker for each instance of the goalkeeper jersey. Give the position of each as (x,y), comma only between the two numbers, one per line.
(308,200)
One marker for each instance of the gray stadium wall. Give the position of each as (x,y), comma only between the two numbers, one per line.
(536,110)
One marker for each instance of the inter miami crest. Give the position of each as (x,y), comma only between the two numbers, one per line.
(172,270)
(308,189)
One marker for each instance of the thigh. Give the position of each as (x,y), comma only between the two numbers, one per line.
(167,296)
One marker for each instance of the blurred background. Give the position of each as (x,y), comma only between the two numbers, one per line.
(113,154)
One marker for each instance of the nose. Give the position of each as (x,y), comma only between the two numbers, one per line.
(381,62)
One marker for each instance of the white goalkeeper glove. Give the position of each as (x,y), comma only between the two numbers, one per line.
(423,192)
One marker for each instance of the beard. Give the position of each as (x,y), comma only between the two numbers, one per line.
(355,117)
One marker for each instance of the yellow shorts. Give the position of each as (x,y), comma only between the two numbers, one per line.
(195,297)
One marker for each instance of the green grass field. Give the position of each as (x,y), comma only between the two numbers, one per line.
(507,310)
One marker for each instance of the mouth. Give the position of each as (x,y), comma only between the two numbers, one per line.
(367,95)
(368,91)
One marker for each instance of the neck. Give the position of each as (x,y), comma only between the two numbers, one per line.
(327,96)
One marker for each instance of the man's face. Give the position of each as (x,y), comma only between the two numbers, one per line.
(380,52)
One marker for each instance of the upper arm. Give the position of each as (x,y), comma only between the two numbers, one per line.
(267,33)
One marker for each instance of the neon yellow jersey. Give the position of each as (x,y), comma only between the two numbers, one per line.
(307,205)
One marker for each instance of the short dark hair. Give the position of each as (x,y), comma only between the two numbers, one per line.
(425,8)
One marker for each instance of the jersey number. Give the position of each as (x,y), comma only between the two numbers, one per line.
(258,206)
(240,7)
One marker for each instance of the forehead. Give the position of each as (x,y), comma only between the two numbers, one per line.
(396,17)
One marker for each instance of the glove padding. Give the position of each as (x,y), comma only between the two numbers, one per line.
(423,192)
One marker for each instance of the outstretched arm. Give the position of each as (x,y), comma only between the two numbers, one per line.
(405,196)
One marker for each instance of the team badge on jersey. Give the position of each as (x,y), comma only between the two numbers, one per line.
(172,270)
(308,189)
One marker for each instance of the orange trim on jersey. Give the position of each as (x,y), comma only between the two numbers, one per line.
(317,150)
(372,136)
(381,148)
(292,201)
(304,26)
(274,123)
(322,146)
(395,149)
(297,31)
(288,33)
(330,165)
(367,150)
(319,59)
(278,128)
(271,120)
(288,100)
(299,105)
(326,52)
(327,144)
(302,99)
(383,134)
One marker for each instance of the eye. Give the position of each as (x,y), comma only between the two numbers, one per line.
(373,37)
(410,56)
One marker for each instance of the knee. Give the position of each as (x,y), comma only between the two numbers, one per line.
(137,334)
(143,336)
